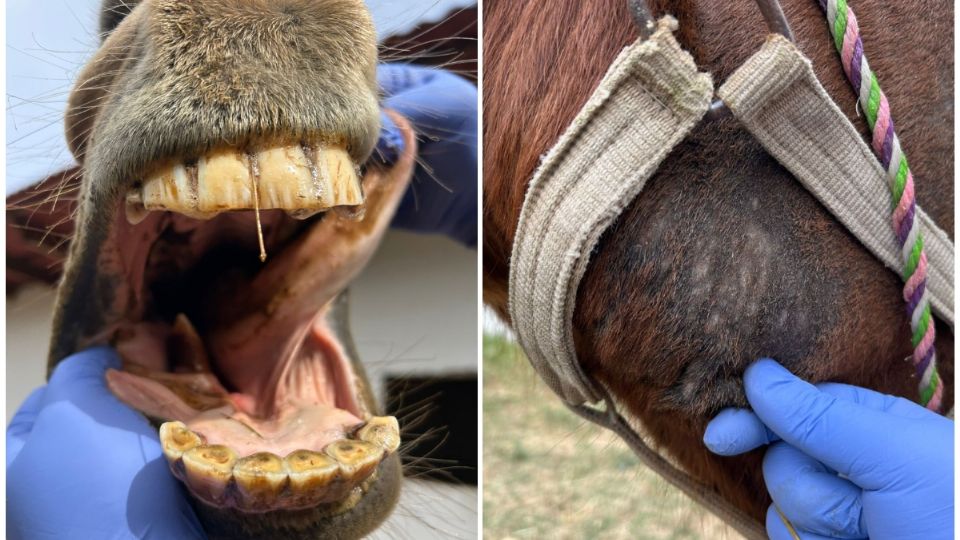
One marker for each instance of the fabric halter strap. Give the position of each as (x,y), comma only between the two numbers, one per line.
(798,124)
(650,98)
(777,97)
(648,101)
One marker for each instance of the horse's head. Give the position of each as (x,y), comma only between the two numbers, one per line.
(724,257)
(209,131)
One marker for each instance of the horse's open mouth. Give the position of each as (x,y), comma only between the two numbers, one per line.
(262,405)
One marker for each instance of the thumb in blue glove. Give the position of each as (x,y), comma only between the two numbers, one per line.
(80,464)
(843,461)
(442,107)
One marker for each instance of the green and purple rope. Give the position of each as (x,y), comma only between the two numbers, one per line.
(906,225)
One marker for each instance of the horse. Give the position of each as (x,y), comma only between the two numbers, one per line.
(724,257)
(205,132)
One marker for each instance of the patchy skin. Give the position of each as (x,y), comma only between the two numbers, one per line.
(174,79)
(724,258)
(718,295)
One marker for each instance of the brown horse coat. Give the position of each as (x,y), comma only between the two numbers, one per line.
(724,258)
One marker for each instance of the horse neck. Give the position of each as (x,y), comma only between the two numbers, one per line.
(542,63)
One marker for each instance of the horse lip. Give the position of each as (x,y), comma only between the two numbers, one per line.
(100,221)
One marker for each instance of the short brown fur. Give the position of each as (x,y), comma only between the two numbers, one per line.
(173,79)
(724,258)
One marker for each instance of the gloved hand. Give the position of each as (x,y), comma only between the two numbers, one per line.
(843,461)
(443,110)
(80,464)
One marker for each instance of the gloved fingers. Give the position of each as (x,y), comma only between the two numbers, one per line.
(397,77)
(400,83)
(735,431)
(82,372)
(390,143)
(875,400)
(437,102)
(111,478)
(78,389)
(778,529)
(841,434)
(175,519)
(810,496)
(442,107)
(22,423)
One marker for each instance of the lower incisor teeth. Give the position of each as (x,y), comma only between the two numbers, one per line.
(208,470)
(295,178)
(176,438)
(310,469)
(314,478)
(260,479)
(357,458)
(383,431)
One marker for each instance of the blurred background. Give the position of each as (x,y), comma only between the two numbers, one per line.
(547,473)
(414,310)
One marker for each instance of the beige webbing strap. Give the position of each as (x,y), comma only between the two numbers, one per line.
(647,102)
(777,97)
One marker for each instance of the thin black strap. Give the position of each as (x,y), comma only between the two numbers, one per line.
(777,24)
(643,17)
(776,20)
(610,418)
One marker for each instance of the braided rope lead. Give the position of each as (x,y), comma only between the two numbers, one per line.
(846,36)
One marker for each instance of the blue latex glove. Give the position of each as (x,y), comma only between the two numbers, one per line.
(843,461)
(443,110)
(80,464)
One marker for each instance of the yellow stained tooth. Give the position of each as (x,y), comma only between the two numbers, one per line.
(383,431)
(357,459)
(133,206)
(169,189)
(322,183)
(176,438)
(301,180)
(260,479)
(224,181)
(343,176)
(174,188)
(310,471)
(208,471)
(285,178)
(303,213)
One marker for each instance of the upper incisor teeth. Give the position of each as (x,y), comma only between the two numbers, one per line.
(293,178)
(223,177)
(285,178)
(174,189)
(383,431)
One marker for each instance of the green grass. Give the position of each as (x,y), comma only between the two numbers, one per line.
(549,474)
